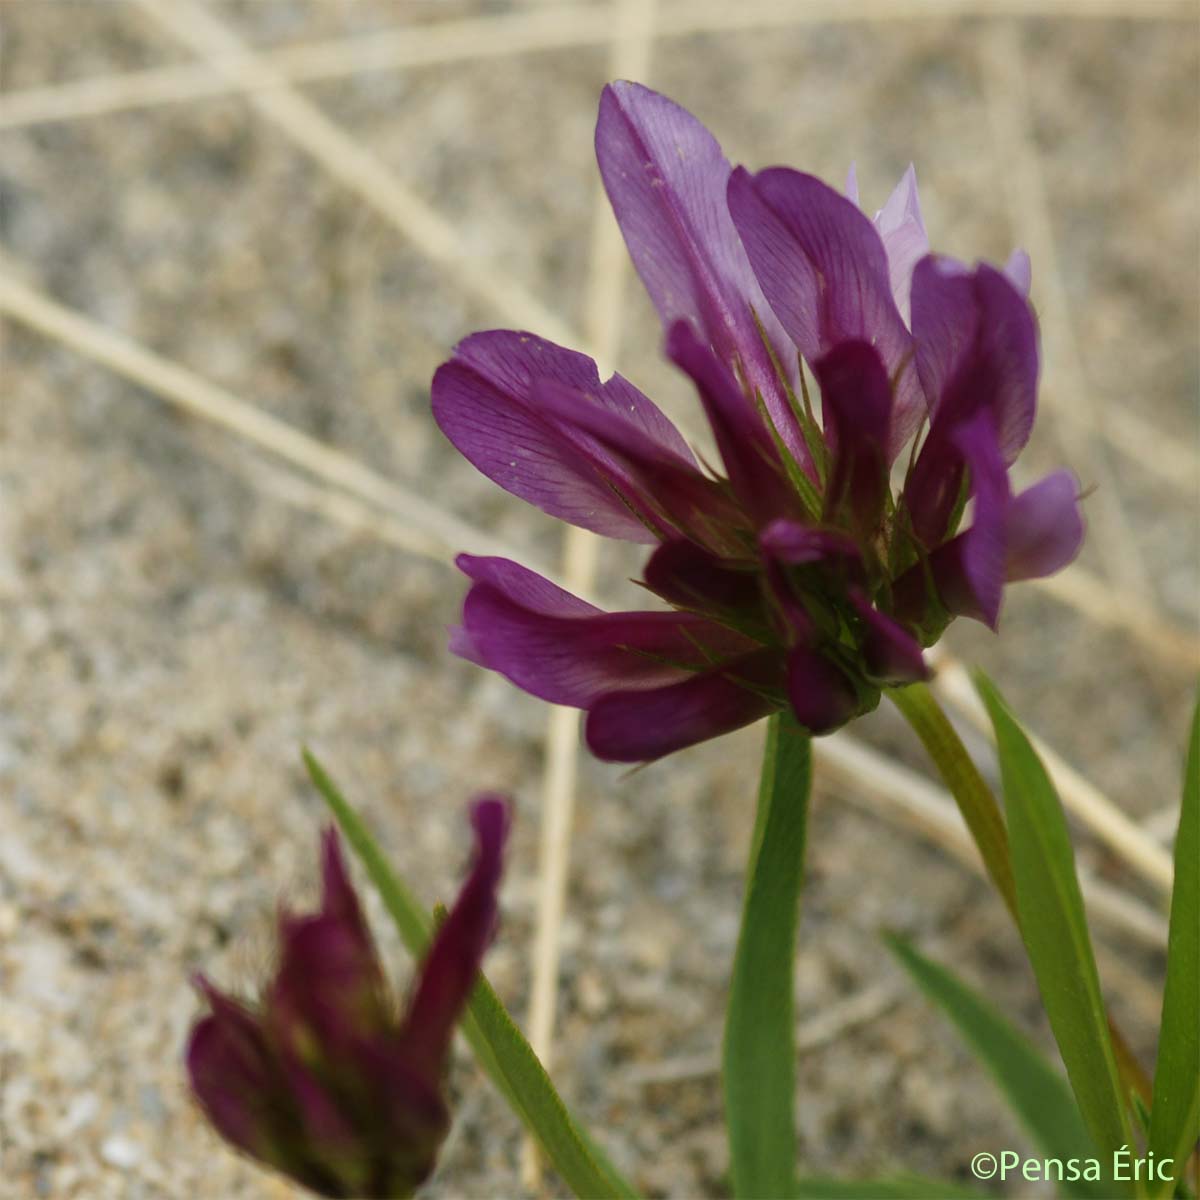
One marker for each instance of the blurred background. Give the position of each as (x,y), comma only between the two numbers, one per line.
(236,238)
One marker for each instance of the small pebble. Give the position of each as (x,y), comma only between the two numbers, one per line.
(121,1153)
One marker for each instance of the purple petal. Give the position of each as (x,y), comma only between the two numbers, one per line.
(904,238)
(535,635)
(852,185)
(976,352)
(822,697)
(891,653)
(666,177)
(513,360)
(825,271)
(665,490)
(326,1128)
(233,1074)
(452,964)
(796,544)
(1042,533)
(523,586)
(1019,271)
(688,577)
(984,544)
(1043,527)
(484,402)
(751,459)
(856,400)
(976,347)
(329,992)
(339,902)
(458,641)
(643,726)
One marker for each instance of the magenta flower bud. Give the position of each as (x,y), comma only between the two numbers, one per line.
(323,1080)
(795,578)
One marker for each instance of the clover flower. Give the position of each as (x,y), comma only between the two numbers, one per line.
(795,576)
(323,1080)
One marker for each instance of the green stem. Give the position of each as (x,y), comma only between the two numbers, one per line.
(759,1072)
(969,789)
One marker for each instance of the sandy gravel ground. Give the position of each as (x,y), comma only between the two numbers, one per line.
(172,627)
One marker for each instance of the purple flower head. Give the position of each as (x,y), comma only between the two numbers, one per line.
(795,574)
(323,1080)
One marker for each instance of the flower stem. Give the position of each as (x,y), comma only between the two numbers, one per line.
(759,1071)
(971,793)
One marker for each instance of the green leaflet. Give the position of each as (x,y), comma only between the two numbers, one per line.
(1175,1111)
(1035,1091)
(759,1062)
(499,1045)
(1054,929)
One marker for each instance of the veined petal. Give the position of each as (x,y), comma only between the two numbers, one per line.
(537,636)
(902,229)
(1044,528)
(484,401)
(856,399)
(666,176)
(449,970)
(666,490)
(824,270)
(822,697)
(512,360)
(523,586)
(644,725)
(976,348)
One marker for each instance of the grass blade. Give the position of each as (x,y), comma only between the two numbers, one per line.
(1175,1111)
(499,1045)
(1054,929)
(759,1065)
(1037,1093)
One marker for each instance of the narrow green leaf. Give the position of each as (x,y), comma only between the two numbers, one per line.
(1175,1112)
(1054,929)
(895,1187)
(986,825)
(970,791)
(499,1045)
(1037,1093)
(759,1053)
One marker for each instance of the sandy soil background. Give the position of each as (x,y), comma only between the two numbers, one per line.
(173,624)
